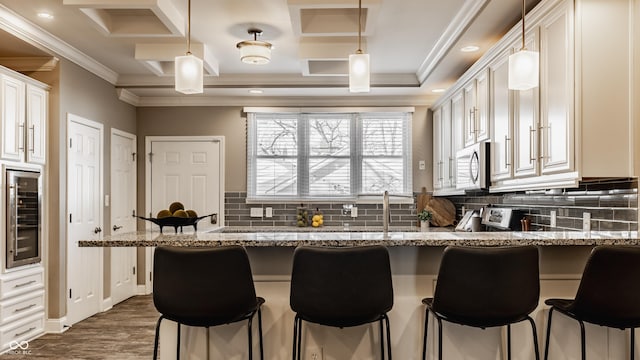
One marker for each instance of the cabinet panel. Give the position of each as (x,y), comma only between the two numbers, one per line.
(36,124)
(447,159)
(438,178)
(469,93)
(12,100)
(482,106)
(501,116)
(556,117)
(457,131)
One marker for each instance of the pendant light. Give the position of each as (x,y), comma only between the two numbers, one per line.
(255,51)
(188,68)
(524,65)
(359,62)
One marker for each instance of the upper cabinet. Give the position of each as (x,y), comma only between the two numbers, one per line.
(24,109)
(579,122)
(447,140)
(476,106)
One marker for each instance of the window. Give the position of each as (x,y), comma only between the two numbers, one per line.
(294,156)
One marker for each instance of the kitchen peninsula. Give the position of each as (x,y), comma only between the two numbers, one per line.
(415,258)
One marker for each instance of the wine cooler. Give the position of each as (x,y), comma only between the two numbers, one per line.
(23,218)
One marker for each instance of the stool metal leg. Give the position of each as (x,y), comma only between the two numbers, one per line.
(386,319)
(295,338)
(536,349)
(546,346)
(439,337)
(509,341)
(249,326)
(155,343)
(178,346)
(381,339)
(426,328)
(633,340)
(208,345)
(260,333)
(299,338)
(583,341)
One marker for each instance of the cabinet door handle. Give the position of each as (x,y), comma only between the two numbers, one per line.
(472,122)
(547,153)
(531,143)
(24,284)
(24,332)
(440,167)
(33,138)
(506,152)
(450,168)
(116,227)
(24,308)
(21,137)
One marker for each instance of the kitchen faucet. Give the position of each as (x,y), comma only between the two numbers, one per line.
(386,213)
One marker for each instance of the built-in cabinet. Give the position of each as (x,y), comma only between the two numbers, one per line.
(577,123)
(23,122)
(24,112)
(447,140)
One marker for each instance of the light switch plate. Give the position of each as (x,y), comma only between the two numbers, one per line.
(422,165)
(354,212)
(586,221)
(256,212)
(554,219)
(268,212)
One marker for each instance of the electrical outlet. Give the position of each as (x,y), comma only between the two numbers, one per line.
(554,219)
(422,165)
(256,212)
(313,353)
(586,221)
(354,212)
(268,212)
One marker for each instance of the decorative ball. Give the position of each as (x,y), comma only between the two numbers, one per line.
(163,214)
(192,213)
(181,214)
(175,206)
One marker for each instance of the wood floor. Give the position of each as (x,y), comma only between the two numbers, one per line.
(125,332)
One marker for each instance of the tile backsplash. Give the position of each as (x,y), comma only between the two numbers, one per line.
(238,213)
(611,203)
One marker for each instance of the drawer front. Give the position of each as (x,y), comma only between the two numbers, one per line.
(16,285)
(15,336)
(20,307)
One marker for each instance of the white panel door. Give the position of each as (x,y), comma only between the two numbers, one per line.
(84,195)
(187,172)
(123,205)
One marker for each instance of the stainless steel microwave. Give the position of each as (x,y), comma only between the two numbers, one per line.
(472,166)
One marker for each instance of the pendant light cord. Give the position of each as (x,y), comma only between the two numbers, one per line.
(359,51)
(523,14)
(189,28)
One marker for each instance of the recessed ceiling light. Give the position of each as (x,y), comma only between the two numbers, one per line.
(437,91)
(45,15)
(255,91)
(470,48)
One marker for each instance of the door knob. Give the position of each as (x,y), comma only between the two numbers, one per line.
(116,227)
(97,230)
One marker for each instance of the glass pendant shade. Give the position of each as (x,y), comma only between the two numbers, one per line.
(255,52)
(359,73)
(524,70)
(189,74)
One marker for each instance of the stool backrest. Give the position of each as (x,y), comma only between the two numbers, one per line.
(203,286)
(609,292)
(341,287)
(487,286)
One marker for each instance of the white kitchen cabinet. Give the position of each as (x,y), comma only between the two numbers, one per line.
(24,112)
(12,106)
(36,136)
(556,92)
(501,115)
(476,106)
(457,130)
(22,304)
(447,140)
(438,175)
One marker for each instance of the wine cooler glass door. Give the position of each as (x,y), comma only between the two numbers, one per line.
(23,218)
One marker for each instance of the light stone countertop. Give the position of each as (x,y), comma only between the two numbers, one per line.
(292,237)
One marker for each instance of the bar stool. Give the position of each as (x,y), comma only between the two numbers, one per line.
(341,287)
(608,294)
(204,287)
(485,287)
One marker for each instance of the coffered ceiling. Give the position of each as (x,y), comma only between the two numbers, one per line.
(414,45)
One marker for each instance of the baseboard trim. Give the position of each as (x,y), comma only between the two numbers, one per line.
(142,290)
(55,326)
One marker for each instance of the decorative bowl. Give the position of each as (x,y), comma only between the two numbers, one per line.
(177,222)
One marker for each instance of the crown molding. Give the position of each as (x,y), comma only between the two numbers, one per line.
(171,101)
(128,97)
(43,40)
(463,19)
